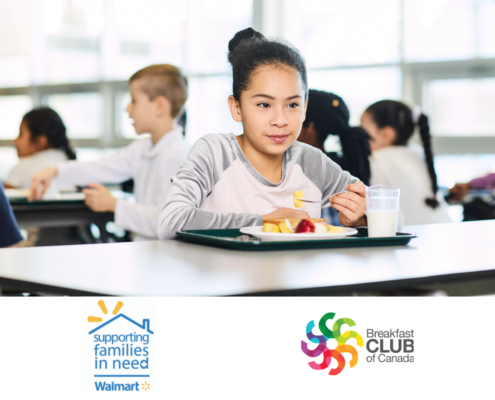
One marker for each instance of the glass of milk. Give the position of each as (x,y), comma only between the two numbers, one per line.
(382,208)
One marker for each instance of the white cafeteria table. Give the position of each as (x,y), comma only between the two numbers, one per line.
(443,254)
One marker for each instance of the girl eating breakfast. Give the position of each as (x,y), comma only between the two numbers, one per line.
(230,181)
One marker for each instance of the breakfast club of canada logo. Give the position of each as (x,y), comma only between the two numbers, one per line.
(383,346)
(120,349)
(341,345)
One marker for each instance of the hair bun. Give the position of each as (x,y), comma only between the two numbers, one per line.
(241,36)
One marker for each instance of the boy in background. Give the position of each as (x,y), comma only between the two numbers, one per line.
(158,94)
(461,189)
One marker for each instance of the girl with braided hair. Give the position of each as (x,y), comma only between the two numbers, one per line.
(397,164)
(327,114)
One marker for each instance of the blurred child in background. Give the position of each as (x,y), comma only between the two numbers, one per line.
(397,165)
(327,114)
(461,189)
(475,208)
(158,94)
(42,142)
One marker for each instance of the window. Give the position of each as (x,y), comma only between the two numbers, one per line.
(141,33)
(211,114)
(430,34)
(212,23)
(358,87)
(14,43)
(350,32)
(12,109)
(452,169)
(430,53)
(486,28)
(67,39)
(77,55)
(71,41)
(461,107)
(80,125)
(63,52)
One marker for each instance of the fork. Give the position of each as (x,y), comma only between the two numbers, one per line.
(328,205)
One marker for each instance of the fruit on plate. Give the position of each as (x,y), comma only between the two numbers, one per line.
(291,225)
(323,227)
(298,203)
(305,226)
(284,223)
(286,227)
(335,229)
(320,227)
(273,228)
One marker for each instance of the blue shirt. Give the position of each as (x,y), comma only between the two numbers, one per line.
(9,232)
(331,216)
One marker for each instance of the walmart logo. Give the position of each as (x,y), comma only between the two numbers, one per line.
(323,347)
(121,351)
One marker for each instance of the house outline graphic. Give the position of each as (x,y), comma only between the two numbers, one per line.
(145,325)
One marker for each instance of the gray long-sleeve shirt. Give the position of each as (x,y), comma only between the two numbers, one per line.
(218,188)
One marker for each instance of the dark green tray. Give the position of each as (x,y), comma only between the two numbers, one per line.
(19,201)
(225,238)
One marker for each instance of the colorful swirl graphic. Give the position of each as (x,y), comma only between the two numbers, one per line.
(322,340)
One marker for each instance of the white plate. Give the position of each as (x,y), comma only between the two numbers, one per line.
(256,231)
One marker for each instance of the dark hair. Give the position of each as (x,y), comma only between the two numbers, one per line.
(182,121)
(330,116)
(249,50)
(45,121)
(399,117)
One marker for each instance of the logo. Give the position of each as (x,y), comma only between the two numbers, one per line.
(323,347)
(120,349)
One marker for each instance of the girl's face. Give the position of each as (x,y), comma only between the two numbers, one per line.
(272,110)
(380,137)
(25,146)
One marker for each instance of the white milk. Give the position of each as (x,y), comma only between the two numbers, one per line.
(382,223)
